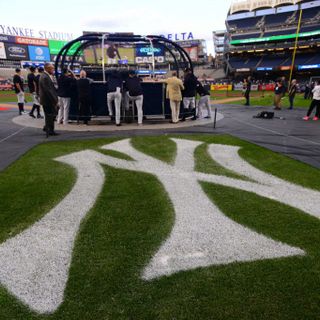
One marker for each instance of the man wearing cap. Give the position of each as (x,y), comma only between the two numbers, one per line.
(114,95)
(19,90)
(134,93)
(32,85)
(189,93)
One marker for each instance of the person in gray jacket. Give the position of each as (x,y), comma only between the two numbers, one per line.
(48,98)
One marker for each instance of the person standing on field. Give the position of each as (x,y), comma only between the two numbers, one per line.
(278,95)
(204,100)
(292,92)
(19,90)
(315,103)
(174,88)
(32,85)
(48,98)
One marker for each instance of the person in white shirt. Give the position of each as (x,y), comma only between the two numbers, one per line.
(315,103)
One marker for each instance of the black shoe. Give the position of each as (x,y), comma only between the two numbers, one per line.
(53,133)
(183,119)
(118,124)
(194,118)
(207,117)
(31,115)
(39,116)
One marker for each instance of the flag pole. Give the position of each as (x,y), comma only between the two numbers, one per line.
(295,47)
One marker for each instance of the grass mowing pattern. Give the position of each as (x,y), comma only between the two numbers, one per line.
(131,219)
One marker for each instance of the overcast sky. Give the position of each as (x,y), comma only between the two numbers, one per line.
(140,16)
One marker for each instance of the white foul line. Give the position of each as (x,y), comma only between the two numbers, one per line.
(11,135)
(276,132)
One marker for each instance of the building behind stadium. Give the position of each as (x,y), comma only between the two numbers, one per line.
(270,38)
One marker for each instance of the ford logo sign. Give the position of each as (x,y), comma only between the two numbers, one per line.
(17,50)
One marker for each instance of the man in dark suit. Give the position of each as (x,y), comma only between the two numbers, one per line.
(247,91)
(48,98)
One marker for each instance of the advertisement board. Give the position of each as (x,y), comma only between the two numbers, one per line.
(266,87)
(221,87)
(2,51)
(32,41)
(238,86)
(78,59)
(285,68)
(193,53)
(16,51)
(308,66)
(39,53)
(148,60)
(264,69)
(189,43)
(56,45)
(6,38)
(143,50)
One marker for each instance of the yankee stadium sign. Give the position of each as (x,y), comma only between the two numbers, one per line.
(33,33)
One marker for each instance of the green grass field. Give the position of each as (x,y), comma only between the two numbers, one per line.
(262,99)
(10,96)
(133,217)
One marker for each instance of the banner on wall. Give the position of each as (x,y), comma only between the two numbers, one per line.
(143,50)
(16,51)
(221,87)
(193,53)
(39,53)
(78,59)
(2,51)
(266,87)
(56,45)
(6,38)
(32,41)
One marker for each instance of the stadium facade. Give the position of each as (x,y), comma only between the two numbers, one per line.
(21,51)
(269,38)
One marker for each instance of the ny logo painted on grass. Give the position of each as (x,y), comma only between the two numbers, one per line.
(34,265)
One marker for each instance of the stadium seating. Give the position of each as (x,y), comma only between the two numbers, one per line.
(249,62)
(279,32)
(244,23)
(272,61)
(8,73)
(304,59)
(310,14)
(280,55)
(280,18)
(246,36)
(309,28)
